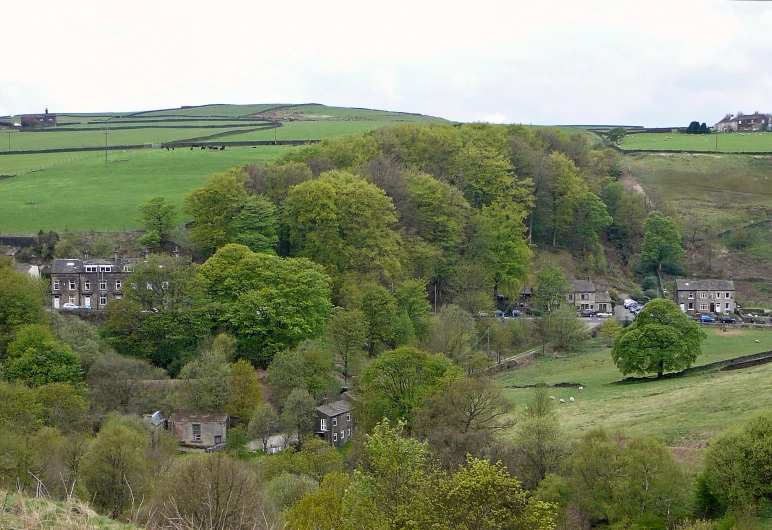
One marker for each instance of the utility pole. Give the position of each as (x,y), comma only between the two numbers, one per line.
(9,140)
(106,133)
(716,140)
(275,126)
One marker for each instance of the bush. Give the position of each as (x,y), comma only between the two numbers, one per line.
(650,282)
(651,294)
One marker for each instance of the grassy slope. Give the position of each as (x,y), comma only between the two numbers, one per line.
(678,410)
(22,512)
(89,194)
(210,110)
(727,143)
(311,130)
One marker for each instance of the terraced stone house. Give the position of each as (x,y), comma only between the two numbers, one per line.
(89,283)
(705,296)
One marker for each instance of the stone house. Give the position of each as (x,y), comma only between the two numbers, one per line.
(705,296)
(603,302)
(582,294)
(199,429)
(742,123)
(90,283)
(333,422)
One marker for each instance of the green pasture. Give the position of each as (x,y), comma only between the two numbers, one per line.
(720,190)
(758,142)
(88,193)
(28,141)
(232,111)
(16,164)
(680,410)
(325,112)
(310,130)
(159,122)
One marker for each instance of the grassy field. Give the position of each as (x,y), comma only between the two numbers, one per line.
(90,194)
(310,130)
(233,111)
(682,411)
(23,512)
(723,191)
(759,142)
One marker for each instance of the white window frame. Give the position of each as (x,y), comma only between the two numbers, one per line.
(134,285)
(71,299)
(103,300)
(56,285)
(727,295)
(102,285)
(118,285)
(72,285)
(703,295)
(105,268)
(87,285)
(727,305)
(335,421)
(195,436)
(324,424)
(718,295)
(90,268)
(343,434)
(348,417)
(335,436)
(128,268)
(703,307)
(349,432)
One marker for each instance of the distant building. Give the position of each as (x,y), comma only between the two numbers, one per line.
(705,296)
(38,120)
(199,429)
(582,294)
(743,123)
(334,423)
(90,283)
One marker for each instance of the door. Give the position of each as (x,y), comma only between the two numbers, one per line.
(87,302)
(712,307)
(56,302)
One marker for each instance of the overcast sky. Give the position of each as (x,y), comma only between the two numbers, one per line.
(542,61)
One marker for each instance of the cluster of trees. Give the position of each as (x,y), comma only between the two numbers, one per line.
(696,127)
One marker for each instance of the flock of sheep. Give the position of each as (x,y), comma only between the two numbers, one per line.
(571,399)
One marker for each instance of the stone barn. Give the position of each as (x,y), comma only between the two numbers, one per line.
(199,429)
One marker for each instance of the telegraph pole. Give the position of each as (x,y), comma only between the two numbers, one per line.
(275,126)
(9,140)
(106,133)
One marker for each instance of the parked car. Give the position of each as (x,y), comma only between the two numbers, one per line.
(515,313)
(604,315)
(216,447)
(635,308)
(69,306)
(706,318)
(587,313)
(628,302)
(482,314)
(727,320)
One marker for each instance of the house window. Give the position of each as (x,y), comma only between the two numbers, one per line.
(343,434)
(335,436)
(570,297)
(349,432)
(691,296)
(118,284)
(103,300)
(105,268)
(703,295)
(196,432)
(87,286)
(56,285)
(103,285)
(718,295)
(727,307)
(149,286)
(72,285)
(727,295)
(164,285)
(585,297)
(71,299)
(91,268)
(324,424)
(348,417)
(134,285)
(128,268)
(703,307)
(335,421)
(691,305)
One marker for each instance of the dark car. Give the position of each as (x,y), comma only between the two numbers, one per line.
(727,320)
(588,313)
(216,447)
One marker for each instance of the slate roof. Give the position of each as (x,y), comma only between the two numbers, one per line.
(198,417)
(603,297)
(69,266)
(581,286)
(335,408)
(704,285)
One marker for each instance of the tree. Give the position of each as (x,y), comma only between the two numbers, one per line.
(256,225)
(244,391)
(503,228)
(550,288)
(616,134)
(36,358)
(463,419)
(21,302)
(661,339)
(452,333)
(165,282)
(309,366)
(662,242)
(321,509)
(397,382)
(263,423)
(484,496)
(118,383)
(348,335)
(299,413)
(609,329)
(63,406)
(159,215)
(205,384)
(591,218)
(562,327)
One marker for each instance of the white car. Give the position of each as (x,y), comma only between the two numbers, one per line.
(70,306)
(603,315)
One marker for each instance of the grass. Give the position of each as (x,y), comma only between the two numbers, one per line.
(90,194)
(682,410)
(22,512)
(310,130)
(759,142)
(232,111)
(722,190)
(16,164)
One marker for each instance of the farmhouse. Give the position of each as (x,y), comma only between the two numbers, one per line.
(38,120)
(743,123)
(199,429)
(333,422)
(705,296)
(584,296)
(90,283)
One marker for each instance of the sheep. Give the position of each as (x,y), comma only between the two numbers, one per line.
(552,398)
(581,388)
(562,400)
(571,399)
(756,341)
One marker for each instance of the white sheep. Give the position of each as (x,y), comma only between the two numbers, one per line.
(552,398)
(581,388)
(756,341)
(571,399)
(562,400)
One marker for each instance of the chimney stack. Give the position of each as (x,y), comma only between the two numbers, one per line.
(324,401)
(115,255)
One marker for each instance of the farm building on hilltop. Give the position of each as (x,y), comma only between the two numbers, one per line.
(705,296)
(38,120)
(743,123)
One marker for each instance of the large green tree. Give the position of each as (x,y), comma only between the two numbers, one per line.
(36,358)
(550,288)
(661,339)
(662,242)
(159,215)
(21,302)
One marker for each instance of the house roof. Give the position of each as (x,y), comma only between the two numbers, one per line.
(581,286)
(68,266)
(603,297)
(198,417)
(335,408)
(704,285)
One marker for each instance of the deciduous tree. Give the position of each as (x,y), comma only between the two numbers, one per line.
(159,215)
(662,242)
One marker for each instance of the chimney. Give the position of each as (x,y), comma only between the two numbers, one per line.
(324,401)
(176,251)
(85,254)
(588,279)
(115,255)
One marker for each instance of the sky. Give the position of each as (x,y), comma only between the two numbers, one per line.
(651,63)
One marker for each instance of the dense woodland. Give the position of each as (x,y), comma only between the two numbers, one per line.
(360,262)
